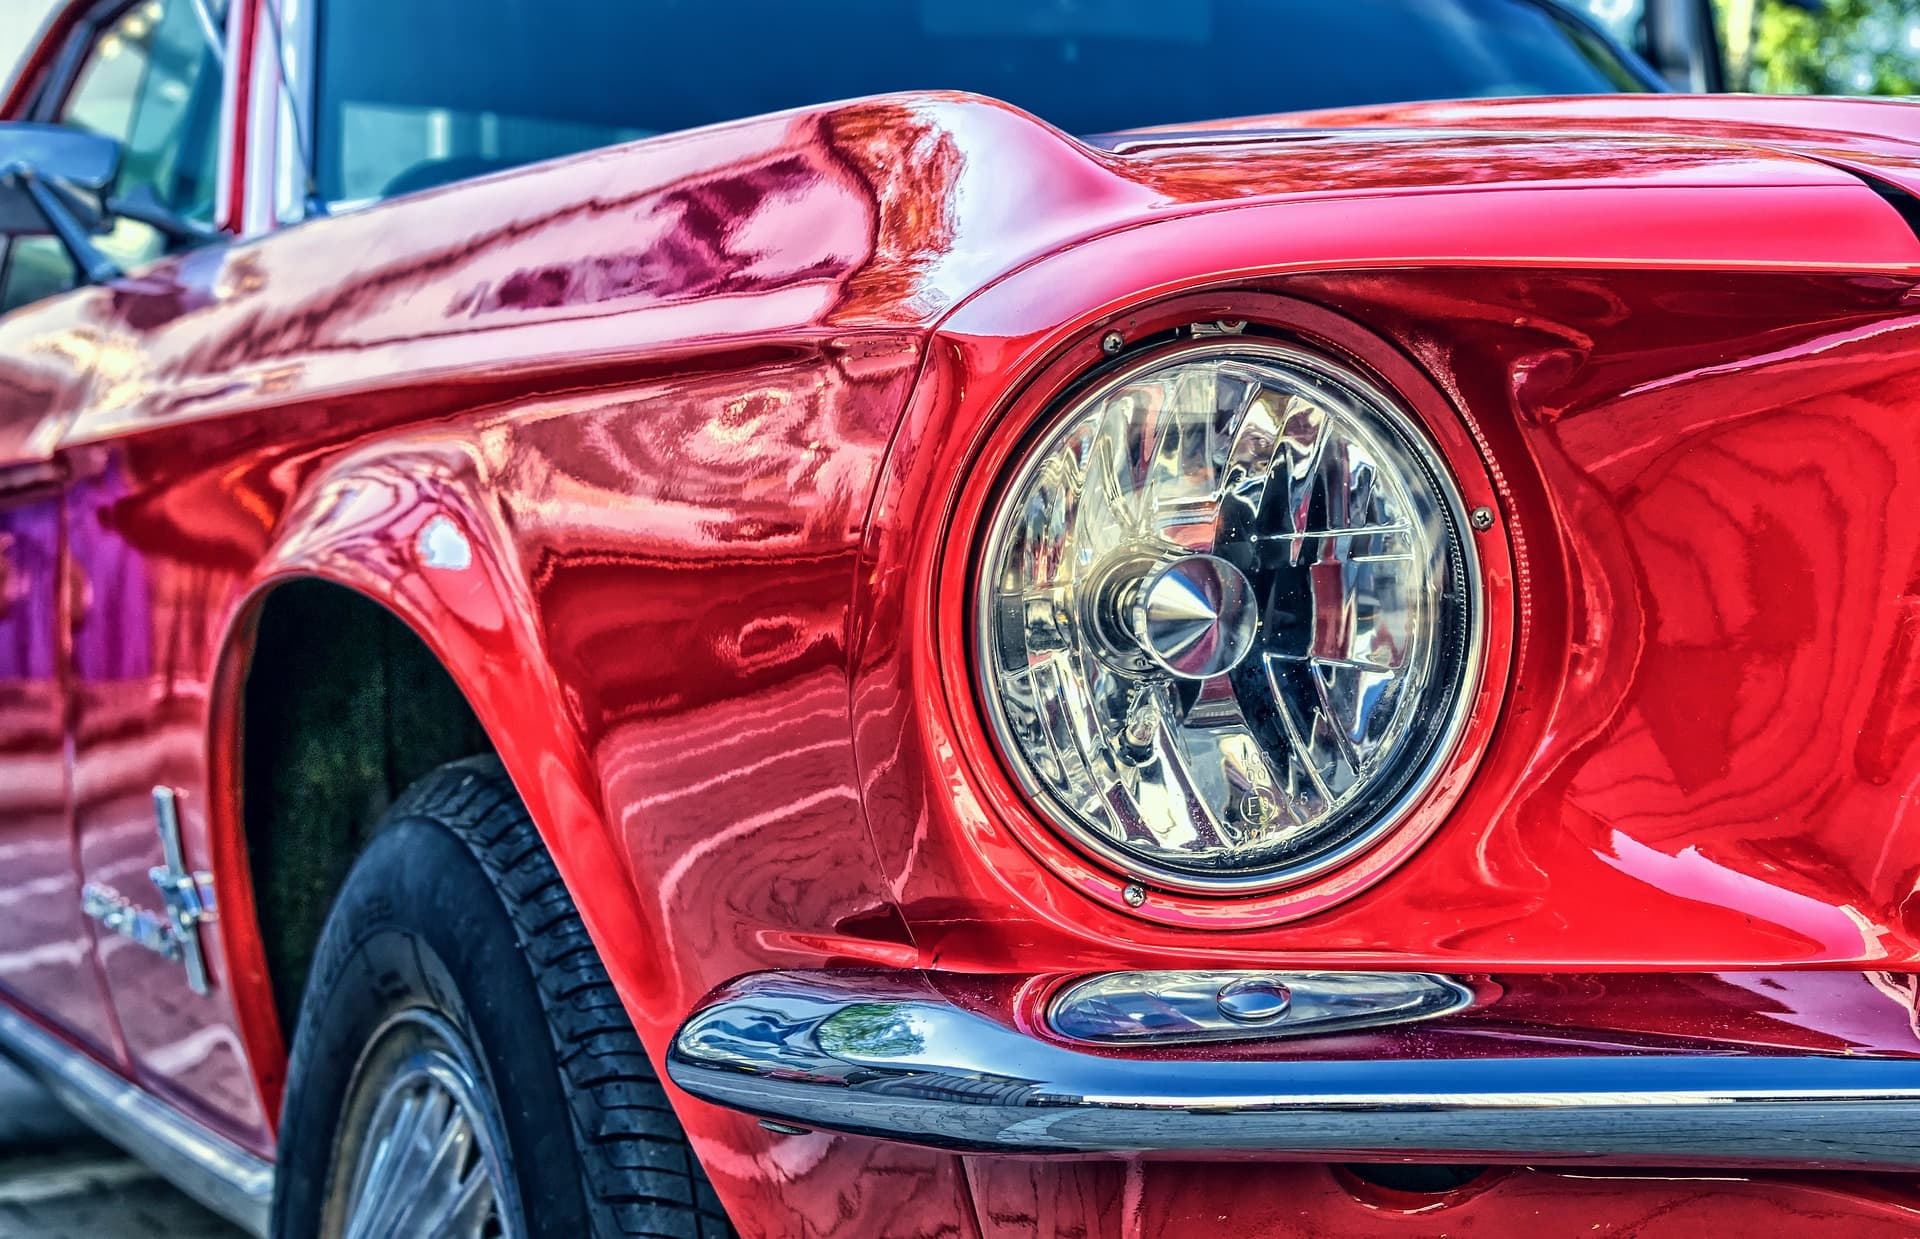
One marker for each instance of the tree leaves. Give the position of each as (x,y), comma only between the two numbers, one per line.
(1843,47)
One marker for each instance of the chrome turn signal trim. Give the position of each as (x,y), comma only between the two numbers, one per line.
(1170,1008)
(890,1056)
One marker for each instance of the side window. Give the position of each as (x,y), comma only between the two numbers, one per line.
(173,130)
(152,81)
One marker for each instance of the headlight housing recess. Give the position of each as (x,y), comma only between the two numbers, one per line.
(1227,616)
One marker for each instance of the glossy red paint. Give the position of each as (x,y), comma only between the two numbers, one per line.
(1153,1200)
(1645,311)
(46,945)
(714,417)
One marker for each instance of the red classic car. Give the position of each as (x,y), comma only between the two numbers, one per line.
(575,664)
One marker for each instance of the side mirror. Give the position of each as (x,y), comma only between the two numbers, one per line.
(83,164)
(55,180)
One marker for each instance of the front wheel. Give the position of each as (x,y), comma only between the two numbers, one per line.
(462,1066)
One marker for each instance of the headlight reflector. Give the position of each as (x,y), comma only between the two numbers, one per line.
(1227,616)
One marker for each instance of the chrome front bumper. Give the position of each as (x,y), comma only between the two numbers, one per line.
(892,1056)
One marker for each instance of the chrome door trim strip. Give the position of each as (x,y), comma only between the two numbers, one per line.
(887,1055)
(206,1166)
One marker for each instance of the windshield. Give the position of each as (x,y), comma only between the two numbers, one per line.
(413,93)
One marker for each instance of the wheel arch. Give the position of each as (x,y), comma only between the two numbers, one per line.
(398,537)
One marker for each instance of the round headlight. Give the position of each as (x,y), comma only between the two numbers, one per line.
(1227,617)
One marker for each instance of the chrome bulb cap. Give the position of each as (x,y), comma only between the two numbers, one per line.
(1195,617)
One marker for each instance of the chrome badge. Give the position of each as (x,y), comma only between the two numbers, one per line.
(186,898)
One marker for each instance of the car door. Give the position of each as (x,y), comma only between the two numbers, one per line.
(46,944)
(52,341)
(139,616)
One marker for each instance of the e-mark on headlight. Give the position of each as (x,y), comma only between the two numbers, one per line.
(1226,616)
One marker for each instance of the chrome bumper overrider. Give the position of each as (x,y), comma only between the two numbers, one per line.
(892,1056)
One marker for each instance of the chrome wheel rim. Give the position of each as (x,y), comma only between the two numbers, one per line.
(420,1148)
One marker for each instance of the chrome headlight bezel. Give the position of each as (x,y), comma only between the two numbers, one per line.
(1439,744)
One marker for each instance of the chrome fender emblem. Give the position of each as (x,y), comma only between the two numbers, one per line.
(187,898)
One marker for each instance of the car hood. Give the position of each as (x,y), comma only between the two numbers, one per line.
(882,217)
(1727,139)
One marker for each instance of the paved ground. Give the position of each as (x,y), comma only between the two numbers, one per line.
(58,1181)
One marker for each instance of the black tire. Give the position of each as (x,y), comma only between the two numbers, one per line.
(456,914)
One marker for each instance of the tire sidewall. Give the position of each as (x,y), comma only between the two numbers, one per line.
(419,923)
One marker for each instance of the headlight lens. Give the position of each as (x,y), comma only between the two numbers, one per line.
(1227,617)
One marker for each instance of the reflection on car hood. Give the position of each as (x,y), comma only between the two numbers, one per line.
(1551,139)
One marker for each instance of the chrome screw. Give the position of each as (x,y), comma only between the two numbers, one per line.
(1136,738)
(1112,343)
(1481,518)
(1135,894)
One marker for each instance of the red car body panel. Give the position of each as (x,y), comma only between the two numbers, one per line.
(671,453)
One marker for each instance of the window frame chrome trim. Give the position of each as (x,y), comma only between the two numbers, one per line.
(956,1077)
(296,28)
(282,70)
(263,107)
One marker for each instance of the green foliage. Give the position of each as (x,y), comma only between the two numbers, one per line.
(1848,47)
(867,1030)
